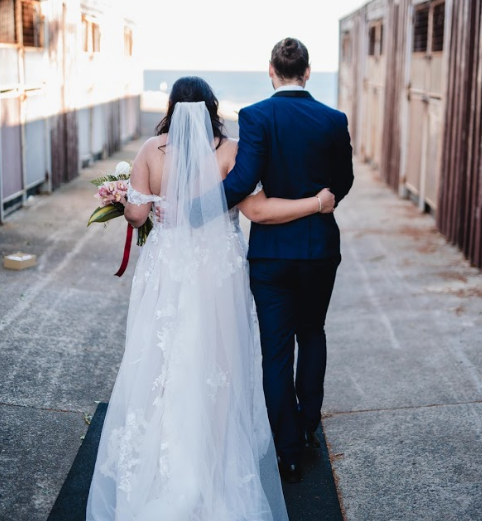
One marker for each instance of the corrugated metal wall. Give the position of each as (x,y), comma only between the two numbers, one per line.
(459,214)
(430,139)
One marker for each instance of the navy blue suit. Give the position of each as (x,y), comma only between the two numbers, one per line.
(295,146)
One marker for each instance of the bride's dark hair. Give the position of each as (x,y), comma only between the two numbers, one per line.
(194,89)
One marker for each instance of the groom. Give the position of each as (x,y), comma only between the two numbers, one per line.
(295,146)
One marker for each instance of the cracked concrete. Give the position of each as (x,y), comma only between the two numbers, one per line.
(62,327)
(404,387)
(403,404)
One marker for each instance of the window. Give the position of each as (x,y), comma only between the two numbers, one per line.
(128,41)
(85,34)
(420,29)
(438,27)
(90,35)
(95,37)
(372,40)
(8,30)
(32,24)
(375,39)
(346,48)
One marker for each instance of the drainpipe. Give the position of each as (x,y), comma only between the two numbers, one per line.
(402,190)
(22,96)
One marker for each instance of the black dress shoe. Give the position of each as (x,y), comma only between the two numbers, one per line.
(312,440)
(290,473)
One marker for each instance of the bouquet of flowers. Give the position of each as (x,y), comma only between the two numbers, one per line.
(112,197)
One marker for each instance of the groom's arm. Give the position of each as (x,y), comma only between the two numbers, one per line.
(250,159)
(342,179)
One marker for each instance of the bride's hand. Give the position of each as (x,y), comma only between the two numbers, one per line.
(326,200)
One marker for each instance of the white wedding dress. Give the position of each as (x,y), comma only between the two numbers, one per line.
(186,436)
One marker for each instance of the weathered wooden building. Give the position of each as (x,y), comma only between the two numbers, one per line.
(410,81)
(70,88)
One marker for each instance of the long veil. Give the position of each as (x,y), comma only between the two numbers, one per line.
(186,436)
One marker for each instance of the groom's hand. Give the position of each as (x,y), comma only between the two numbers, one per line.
(326,200)
(160,213)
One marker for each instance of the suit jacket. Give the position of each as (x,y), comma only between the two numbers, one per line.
(295,146)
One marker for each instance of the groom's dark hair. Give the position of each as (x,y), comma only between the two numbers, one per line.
(290,59)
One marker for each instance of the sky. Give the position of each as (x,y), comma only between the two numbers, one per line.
(223,35)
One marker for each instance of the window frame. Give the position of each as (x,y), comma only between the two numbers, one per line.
(346,47)
(37,25)
(430,9)
(13,5)
(91,34)
(375,38)
(128,41)
(20,28)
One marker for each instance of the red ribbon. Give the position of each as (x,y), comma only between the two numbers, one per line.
(127,251)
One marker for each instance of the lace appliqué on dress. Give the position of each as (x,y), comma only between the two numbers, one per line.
(258,188)
(218,380)
(123,451)
(135,197)
(218,261)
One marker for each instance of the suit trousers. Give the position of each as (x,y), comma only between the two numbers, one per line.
(292,298)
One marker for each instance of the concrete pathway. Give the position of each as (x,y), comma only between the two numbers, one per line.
(62,327)
(404,386)
(403,409)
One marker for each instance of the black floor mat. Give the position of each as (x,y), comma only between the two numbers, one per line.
(72,499)
(314,499)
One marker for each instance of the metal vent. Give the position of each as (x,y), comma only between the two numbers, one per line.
(32,24)
(8,32)
(420,29)
(438,28)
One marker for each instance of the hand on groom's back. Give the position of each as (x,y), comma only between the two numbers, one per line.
(326,200)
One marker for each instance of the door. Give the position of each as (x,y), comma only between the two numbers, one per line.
(11,136)
(425,107)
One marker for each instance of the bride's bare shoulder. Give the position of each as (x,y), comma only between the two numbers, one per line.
(229,146)
(151,145)
(231,142)
(226,154)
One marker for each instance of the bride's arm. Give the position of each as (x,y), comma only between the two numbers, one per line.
(272,210)
(135,214)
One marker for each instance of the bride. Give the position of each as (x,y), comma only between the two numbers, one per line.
(186,436)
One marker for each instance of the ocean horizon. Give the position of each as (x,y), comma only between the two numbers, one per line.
(241,88)
(234,90)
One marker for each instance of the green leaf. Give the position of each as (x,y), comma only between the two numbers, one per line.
(143,232)
(109,177)
(99,181)
(101,215)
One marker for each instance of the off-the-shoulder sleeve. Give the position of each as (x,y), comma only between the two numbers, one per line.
(135,197)
(258,188)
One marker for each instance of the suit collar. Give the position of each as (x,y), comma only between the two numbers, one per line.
(292,94)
